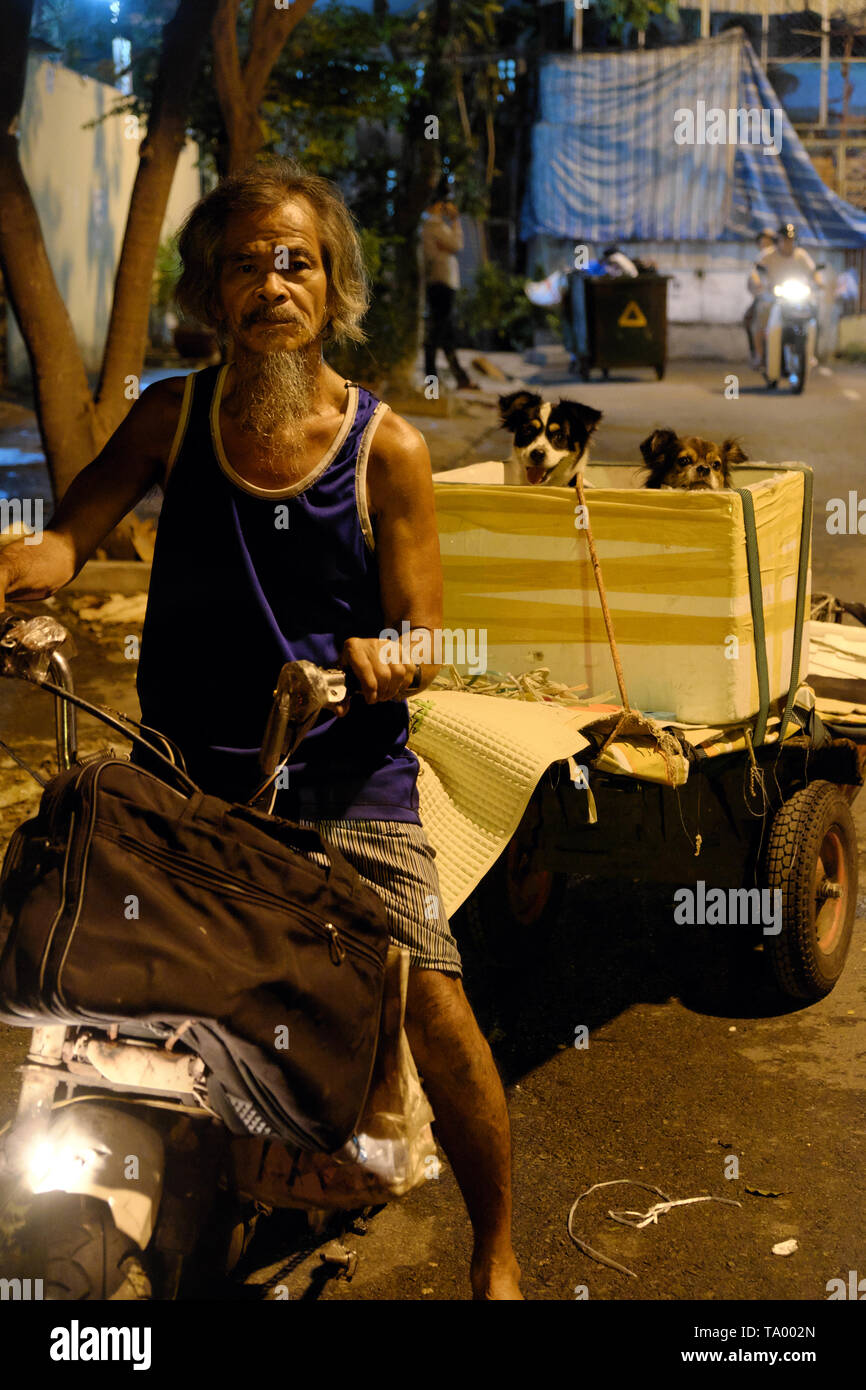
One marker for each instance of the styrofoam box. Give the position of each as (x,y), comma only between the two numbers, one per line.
(517,569)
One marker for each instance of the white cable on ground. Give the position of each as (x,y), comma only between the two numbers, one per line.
(646,1218)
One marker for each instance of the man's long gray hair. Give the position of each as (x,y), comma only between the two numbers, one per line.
(268,185)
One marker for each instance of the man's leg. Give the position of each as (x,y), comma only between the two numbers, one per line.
(748,319)
(460,1077)
(430,335)
(448,335)
(759,329)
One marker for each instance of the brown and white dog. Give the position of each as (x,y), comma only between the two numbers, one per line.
(689,463)
(551,442)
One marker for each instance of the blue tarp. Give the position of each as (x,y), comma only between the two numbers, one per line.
(616,155)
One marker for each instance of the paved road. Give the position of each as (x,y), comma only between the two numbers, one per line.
(690,1061)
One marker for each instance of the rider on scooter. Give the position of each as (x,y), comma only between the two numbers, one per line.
(785,260)
(766,240)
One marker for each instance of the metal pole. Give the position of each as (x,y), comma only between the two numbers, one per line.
(705,19)
(765,35)
(825,62)
(577,26)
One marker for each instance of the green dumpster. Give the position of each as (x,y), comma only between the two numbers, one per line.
(626,322)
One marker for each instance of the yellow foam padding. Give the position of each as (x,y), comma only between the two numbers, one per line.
(676,576)
(481,758)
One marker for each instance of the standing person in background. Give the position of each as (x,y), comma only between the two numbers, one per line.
(441,239)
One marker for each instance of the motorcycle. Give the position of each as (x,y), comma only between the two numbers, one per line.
(791,334)
(113,1171)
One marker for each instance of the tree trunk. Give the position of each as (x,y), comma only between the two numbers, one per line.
(241,89)
(126,343)
(64,406)
(421,168)
(72,427)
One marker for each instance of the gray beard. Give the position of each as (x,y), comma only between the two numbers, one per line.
(273,393)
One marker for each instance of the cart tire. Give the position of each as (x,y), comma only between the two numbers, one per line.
(584,369)
(660,370)
(812,846)
(512,913)
(605,372)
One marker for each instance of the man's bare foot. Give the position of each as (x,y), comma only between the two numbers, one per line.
(495,1279)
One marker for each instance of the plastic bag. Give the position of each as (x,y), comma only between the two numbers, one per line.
(546,293)
(393,1150)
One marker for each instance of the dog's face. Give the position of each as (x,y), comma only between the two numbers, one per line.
(550,441)
(689,463)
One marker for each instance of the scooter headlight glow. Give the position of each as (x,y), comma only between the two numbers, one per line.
(58,1167)
(795,291)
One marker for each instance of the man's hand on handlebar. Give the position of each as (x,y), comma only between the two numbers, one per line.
(377,677)
(31,572)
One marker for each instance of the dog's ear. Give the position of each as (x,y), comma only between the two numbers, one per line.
(516,404)
(582,420)
(657,446)
(732,453)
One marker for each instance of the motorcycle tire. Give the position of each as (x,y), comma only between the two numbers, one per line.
(81,1255)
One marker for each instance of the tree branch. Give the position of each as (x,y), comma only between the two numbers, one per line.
(267,43)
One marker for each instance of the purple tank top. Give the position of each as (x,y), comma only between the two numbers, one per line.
(242,583)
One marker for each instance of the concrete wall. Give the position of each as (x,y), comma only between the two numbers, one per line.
(81,181)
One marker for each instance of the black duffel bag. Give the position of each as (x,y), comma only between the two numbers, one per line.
(125,898)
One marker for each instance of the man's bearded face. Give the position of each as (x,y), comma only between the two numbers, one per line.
(274,287)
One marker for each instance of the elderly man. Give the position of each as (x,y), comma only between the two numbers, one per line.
(298,522)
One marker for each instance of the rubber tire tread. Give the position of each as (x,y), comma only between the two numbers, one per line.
(796,836)
(79,1247)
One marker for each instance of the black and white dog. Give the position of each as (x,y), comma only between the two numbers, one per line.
(551,442)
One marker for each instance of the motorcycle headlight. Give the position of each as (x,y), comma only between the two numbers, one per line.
(793,290)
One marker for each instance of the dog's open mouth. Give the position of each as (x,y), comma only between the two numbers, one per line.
(536,473)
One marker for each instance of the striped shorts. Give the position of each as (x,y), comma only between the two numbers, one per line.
(396,859)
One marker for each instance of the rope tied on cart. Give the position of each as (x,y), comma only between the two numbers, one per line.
(630,722)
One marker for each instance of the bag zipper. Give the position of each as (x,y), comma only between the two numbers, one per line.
(221,880)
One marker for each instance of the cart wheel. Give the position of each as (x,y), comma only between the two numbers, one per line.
(812,859)
(660,370)
(513,911)
(584,369)
(605,372)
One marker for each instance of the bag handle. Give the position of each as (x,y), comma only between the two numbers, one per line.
(114,722)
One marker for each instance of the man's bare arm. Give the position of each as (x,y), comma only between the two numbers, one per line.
(400,490)
(129,465)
